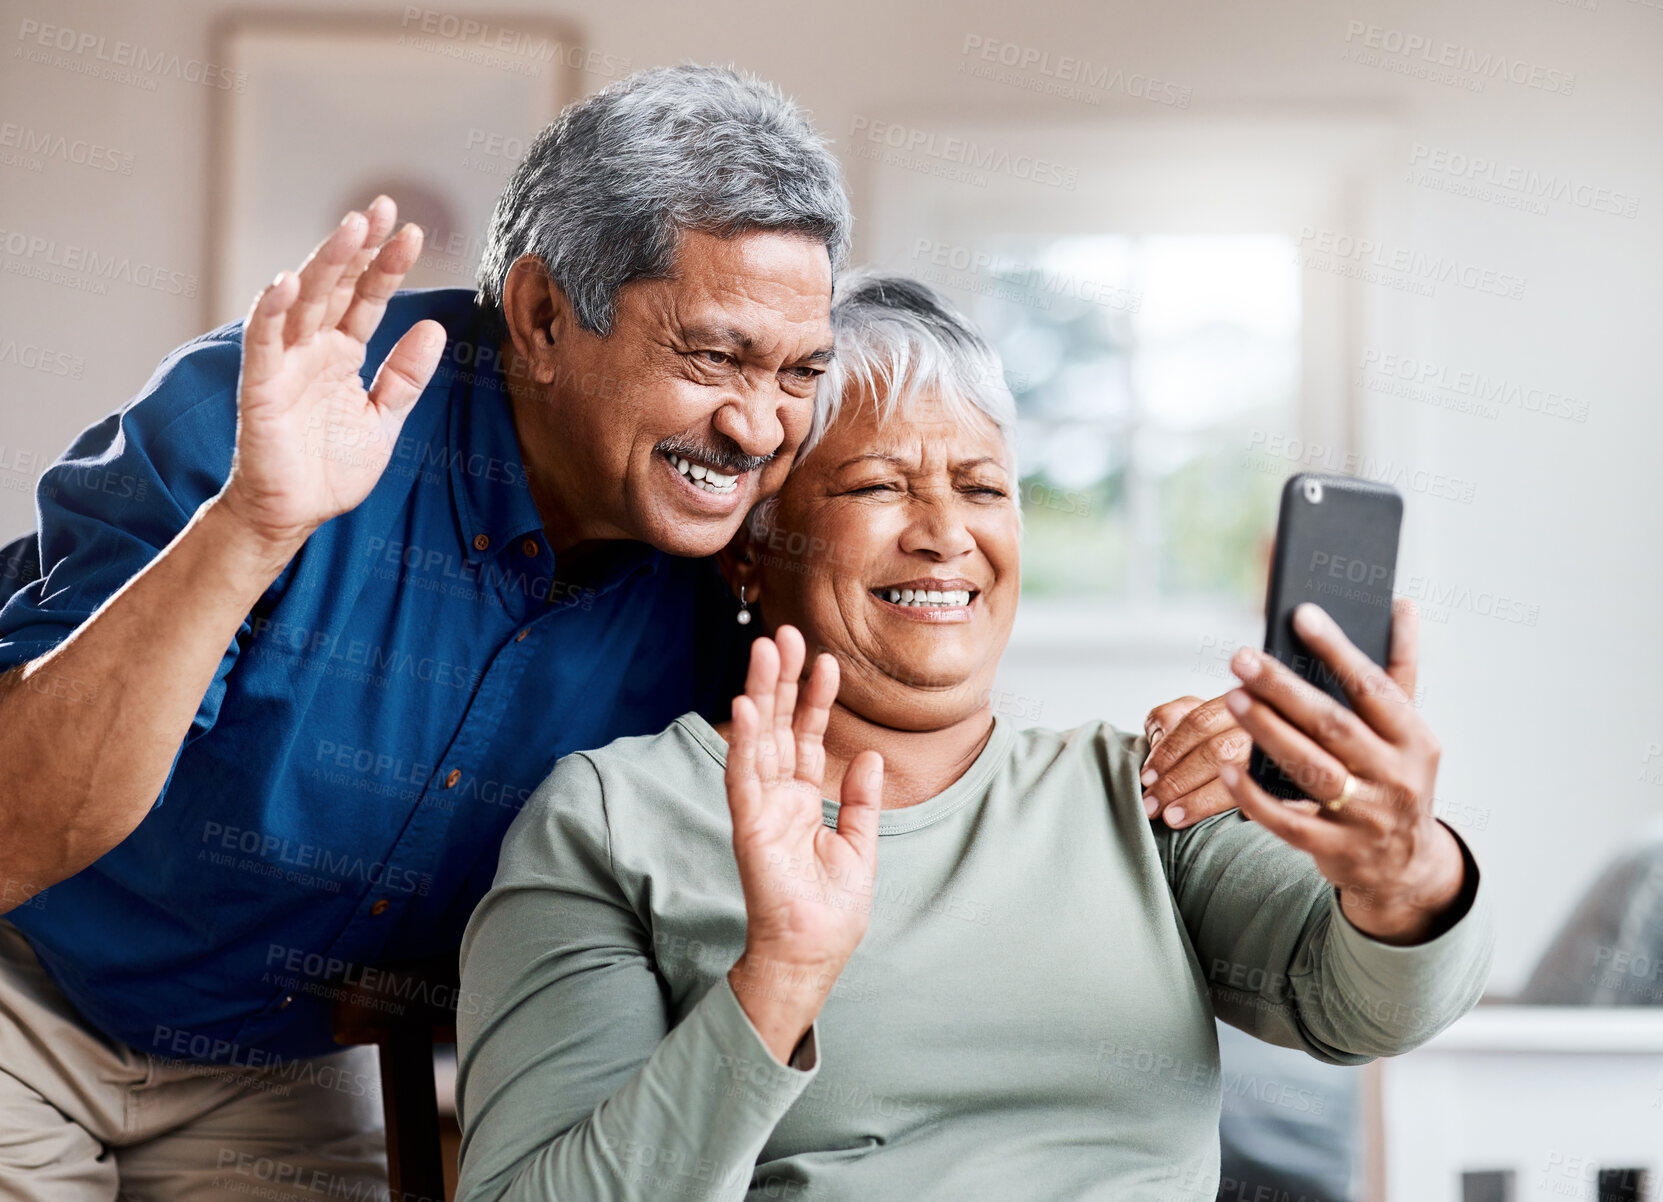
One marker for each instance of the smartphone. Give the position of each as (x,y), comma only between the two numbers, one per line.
(1336,545)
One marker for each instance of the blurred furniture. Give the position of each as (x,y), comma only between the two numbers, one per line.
(404,1009)
(1288,1124)
(1525,1104)
(1610,950)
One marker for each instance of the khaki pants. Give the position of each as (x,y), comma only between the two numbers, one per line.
(83,1119)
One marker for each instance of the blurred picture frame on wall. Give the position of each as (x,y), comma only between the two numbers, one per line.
(325,111)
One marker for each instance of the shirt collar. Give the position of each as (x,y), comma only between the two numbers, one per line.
(488,477)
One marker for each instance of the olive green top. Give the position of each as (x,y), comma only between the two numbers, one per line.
(1030,1014)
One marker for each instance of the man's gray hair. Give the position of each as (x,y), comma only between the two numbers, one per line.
(605,190)
(899,340)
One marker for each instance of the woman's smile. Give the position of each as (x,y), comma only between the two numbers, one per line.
(926,599)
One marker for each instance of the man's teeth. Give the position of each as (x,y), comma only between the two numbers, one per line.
(908,596)
(707,478)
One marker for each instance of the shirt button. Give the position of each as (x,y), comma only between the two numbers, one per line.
(529,546)
(520,638)
(455,775)
(284,1004)
(380,908)
(481,541)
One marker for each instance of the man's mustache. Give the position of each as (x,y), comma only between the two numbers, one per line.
(721,453)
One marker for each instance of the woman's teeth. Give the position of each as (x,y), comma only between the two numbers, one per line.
(908,596)
(707,478)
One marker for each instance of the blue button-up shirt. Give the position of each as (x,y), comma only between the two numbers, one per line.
(380,717)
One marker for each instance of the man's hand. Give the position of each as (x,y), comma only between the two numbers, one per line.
(311,442)
(1189,741)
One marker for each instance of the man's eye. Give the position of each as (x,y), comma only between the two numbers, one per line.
(718,357)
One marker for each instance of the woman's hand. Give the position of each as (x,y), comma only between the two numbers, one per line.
(1397,867)
(1190,741)
(808,888)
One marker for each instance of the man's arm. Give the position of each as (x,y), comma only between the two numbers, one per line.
(80,777)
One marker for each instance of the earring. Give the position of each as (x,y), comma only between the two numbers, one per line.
(744,615)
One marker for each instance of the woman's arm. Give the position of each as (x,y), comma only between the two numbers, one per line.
(1355,927)
(1284,963)
(572,1082)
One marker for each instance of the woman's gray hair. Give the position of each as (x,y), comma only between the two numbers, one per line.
(605,190)
(898,340)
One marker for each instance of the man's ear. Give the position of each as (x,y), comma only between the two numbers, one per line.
(739,565)
(538,315)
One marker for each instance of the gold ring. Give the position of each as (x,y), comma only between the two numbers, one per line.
(1347,792)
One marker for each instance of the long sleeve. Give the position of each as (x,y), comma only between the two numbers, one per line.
(109,505)
(572,1082)
(1283,963)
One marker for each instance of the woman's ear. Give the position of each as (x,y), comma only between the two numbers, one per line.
(739,566)
(537,314)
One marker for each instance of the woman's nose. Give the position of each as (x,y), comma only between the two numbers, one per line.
(937,529)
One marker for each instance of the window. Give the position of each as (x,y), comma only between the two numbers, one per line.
(1142,366)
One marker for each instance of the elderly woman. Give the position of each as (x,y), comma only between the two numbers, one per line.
(983,972)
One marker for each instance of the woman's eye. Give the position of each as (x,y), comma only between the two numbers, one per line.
(871,488)
(988,490)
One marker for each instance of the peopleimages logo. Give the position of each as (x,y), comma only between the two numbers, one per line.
(921,149)
(32,254)
(119,61)
(1400,267)
(32,144)
(1417,55)
(1063,75)
(1476,175)
(1441,384)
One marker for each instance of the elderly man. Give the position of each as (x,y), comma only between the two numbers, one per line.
(380,559)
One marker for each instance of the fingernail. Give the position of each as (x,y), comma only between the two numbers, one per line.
(1228,773)
(1149,777)
(1245,663)
(1237,702)
(1308,618)
(1174,816)
(352,218)
(1150,805)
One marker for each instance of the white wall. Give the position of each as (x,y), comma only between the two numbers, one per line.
(1546,725)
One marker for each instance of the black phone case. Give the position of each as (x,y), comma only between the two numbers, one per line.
(1339,551)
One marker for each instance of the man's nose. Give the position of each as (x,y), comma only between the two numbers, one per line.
(751,417)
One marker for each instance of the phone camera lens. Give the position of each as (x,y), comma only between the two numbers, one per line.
(1313,491)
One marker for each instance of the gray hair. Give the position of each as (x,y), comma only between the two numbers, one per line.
(605,190)
(898,340)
